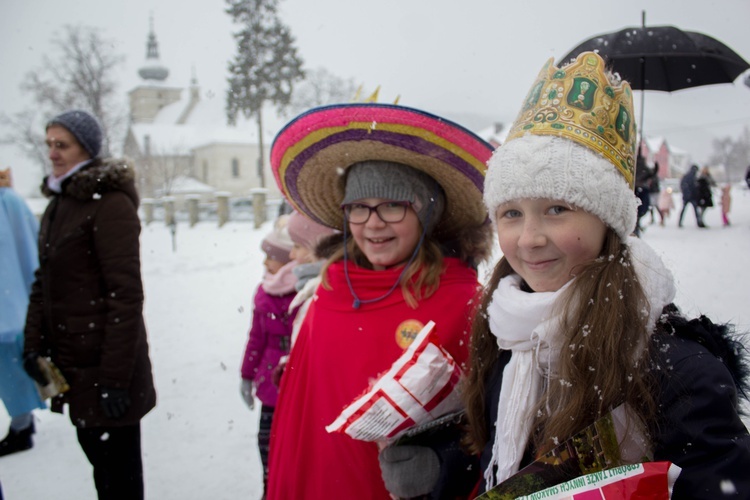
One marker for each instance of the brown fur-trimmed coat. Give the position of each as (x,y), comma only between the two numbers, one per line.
(86,302)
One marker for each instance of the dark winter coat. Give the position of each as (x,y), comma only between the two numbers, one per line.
(85,310)
(269,340)
(699,373)
(642,185)
(689,185)
(704,196)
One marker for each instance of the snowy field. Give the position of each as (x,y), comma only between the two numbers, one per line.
(199,442)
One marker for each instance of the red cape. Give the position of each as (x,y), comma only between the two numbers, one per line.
(340,350)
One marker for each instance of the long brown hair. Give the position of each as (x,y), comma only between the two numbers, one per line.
(603,364)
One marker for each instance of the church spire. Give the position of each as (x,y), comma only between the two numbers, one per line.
(153,69)
(152,47)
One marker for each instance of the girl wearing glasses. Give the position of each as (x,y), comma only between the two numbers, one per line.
(405,190)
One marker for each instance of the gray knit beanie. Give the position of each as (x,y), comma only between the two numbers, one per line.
(84,127)
(398,182)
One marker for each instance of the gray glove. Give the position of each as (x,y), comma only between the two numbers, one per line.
(247,390)
(409,471)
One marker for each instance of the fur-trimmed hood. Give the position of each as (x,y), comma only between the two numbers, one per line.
(721,340)
(97,178)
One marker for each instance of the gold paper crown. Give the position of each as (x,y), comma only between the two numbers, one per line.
(579,102)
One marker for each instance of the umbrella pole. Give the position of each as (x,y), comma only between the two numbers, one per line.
(643,80)
(643,103)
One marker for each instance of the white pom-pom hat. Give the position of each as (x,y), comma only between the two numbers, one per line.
(547,166)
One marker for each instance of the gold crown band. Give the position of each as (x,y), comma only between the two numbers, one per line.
(578,102)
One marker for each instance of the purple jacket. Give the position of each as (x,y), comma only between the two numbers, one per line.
(269,339)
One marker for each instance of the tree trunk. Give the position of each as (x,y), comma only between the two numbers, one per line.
(261,155)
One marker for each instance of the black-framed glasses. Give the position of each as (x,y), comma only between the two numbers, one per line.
(388,211)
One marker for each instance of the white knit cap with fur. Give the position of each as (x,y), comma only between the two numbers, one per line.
(546,166)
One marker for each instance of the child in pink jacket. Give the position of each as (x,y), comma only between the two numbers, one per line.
(666,204)
(270,332)
(726,202)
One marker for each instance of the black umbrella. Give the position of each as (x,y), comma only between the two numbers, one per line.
(664,58)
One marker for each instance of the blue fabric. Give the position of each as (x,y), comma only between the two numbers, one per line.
(18,261)
(17,390)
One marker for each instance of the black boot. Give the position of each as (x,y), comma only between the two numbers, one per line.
(17,441)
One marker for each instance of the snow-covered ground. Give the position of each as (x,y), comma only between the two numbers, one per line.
(200,440)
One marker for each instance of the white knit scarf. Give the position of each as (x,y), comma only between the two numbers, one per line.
(527,324)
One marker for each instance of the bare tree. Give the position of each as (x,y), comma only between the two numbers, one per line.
(81,74)
(733,154)
(321,87)
(160,168)
(27,136)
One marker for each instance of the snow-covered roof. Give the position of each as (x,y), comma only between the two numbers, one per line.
(182,139)
(185,185)
(677,151)
(654,143)
(169,114)
(206,124)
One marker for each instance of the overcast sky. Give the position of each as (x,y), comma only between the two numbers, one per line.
(474,58)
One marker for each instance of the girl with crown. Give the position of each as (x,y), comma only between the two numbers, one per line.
(577,321)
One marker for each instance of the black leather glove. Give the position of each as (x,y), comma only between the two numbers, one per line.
(409,471)
(31,365)
(115,402)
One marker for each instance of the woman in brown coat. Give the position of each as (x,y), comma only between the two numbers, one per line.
(85,310)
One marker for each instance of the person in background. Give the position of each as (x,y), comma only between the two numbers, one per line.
(86,304)
(270,332)
(18,261)
(666,204)
(689,188)
(306,235)
(577,319)
(654,191)
(405,190)
(726,203)
(643,176)
(704,195)
(311,249)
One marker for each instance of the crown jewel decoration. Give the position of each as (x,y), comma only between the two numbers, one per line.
(578,102)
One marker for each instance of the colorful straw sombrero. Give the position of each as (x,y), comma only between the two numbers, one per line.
(310,155)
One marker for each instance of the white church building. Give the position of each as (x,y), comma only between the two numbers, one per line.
(182,143)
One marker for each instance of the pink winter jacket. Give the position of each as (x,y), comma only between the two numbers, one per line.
(269,339)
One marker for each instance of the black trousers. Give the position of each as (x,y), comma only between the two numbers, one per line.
(698,215)
(115,453)
(264,437)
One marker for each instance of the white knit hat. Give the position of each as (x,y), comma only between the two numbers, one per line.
(573,140)
(546,166)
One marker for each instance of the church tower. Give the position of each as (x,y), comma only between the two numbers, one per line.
(153,93)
